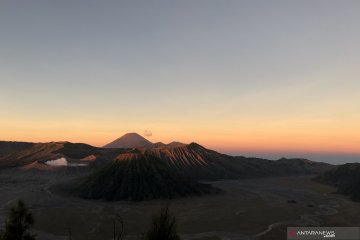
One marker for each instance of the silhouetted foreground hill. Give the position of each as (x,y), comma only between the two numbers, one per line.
(346,178)
(136,176)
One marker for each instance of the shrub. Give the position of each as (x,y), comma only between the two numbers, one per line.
(163,226)
(18,223)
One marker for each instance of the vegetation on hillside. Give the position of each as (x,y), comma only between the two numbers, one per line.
(346,178)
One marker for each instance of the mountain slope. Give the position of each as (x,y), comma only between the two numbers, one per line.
(37,152)
(129,140)
(161,171)
(42,152)
(7,148)
(138,176)
(170,172)
(192,160)
(201,163)
(346,178)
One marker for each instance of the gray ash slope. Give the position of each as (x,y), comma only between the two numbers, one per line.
(171,172)
(138,176)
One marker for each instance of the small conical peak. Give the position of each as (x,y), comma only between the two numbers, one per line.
(129,140)
(132,134)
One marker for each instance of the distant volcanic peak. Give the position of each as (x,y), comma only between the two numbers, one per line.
(132,134)
(130,140)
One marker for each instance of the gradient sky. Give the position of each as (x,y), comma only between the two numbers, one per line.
(264,78)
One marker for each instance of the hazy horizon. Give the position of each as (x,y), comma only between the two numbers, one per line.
(332,158)
(258,77)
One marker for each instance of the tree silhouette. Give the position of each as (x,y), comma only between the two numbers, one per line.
(18,223)
(163,226)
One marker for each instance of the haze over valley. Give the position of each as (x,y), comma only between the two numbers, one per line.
(72,181)
(178,120)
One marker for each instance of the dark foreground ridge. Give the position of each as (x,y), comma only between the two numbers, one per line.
(346,178)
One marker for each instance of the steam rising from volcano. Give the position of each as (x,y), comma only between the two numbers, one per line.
(147,133)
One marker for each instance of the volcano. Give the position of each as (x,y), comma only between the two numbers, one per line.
(137,176)
(130,140)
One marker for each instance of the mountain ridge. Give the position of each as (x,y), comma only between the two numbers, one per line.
(144,173)
(135,140)
(191,159)
(345,177)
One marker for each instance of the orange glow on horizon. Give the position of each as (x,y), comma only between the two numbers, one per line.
(306,134)
(243,143)
(234,82)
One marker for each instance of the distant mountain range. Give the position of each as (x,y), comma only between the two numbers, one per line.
(125,173)
(192,159)
(134,140)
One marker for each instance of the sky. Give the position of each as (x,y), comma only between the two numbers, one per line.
(261,78)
